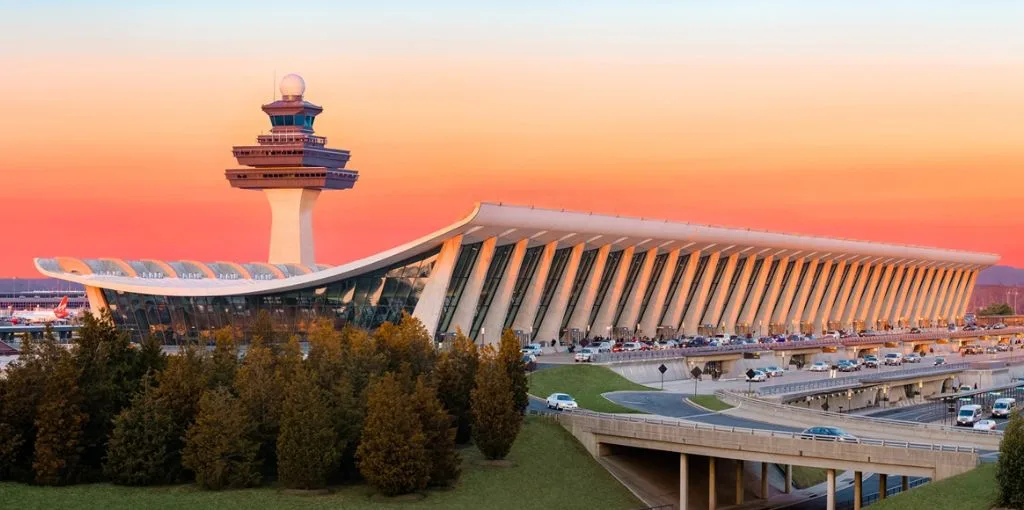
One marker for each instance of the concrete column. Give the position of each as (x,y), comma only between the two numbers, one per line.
(883,484)
(786,293)
(771,295)
(830,502)
(803,292)
(739,482)
(950,295)
(961,307)
(824,310)
(909,275)
(764,480)
(712,494)
(466,307)
(789,479)
(952,312)
(883,294)
(933,289)
(581,314)
(649,322)
(606,310)
(902,311)
(917,295)
(853,302)
(528,308)
(732,308)
(843,297)
(495,318)
(858,489)
(873,289)
(751,301)
(428,308)
(817,292)
(935,308)
(695,309)
(684,482)
(674,314)
(291,225)
(718,297)
(905,483)
(635,295)
(551,324)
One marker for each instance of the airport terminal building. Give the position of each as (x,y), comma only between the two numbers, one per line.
(547,274)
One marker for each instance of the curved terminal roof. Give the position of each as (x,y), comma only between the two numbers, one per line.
(509,224)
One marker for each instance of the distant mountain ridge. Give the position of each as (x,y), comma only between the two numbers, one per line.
(1002,275)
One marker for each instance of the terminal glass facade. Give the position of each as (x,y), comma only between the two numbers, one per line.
(367,300)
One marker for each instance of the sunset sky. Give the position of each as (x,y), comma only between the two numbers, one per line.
(892,121)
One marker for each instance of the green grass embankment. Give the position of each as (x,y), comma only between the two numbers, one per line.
(709,402)
(585,383)
(973,490)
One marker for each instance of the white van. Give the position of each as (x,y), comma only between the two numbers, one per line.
(1004,407)
(968,415)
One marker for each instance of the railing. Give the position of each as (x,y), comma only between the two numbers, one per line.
(816,384)
(873,497)
(866,420)
(768,432)
(860,379)
(682,352)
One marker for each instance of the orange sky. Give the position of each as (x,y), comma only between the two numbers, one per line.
(121,152)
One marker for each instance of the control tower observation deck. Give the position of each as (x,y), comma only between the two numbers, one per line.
(291,166)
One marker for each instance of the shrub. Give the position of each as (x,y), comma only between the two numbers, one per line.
(511,358)
(496,419)
(1011,465)
(439,435)
(139,450)
(307,447)
(392,454)
(455,377)
(218,446)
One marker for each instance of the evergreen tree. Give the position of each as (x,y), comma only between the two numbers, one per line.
(308,446)
(325,359)
(151,358)
(392,454)
(21,389)
(455,377)
(497,418)
(1011,465)
(439,434)
(262,328)
(218,446)
(260,389)
(139,449)
(59,422)
(511,358)
(179,388)
(406,342)
(224,361)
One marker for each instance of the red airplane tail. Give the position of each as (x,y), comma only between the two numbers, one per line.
(63,304)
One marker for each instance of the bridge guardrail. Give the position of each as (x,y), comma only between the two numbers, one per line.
(816,384)
(771,433)
(867,420)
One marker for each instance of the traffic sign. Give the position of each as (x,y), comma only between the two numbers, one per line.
(663,368)
(695,372)
(750,373)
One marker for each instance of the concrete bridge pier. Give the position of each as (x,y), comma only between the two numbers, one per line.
(858,489)
(830,501)
(883,483)
(712,493)
(739,482)
(764,480)
(684,482)
(789,478)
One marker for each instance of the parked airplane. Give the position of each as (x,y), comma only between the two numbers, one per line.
(61,313)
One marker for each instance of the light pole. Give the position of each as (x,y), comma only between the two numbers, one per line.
(483,336)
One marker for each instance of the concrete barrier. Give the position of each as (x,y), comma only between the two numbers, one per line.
(646,372)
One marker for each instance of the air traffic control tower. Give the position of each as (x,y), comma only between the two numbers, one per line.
(291,166)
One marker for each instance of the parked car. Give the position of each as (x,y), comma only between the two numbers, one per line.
(912,358)
(631,346)
(530,362)
(773,371)
(758,376)
(972,349)
(600,347)
(915,330)
(871,361)
(828,434)
(985,425)
(585,354)
(939,361)
(990,350)
(968,415)
(819,366)
(561,402)
(1003,347)
(999,325)
(534,349)
(894,359)
(1004,407)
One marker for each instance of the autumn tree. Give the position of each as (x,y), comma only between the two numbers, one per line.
(308,446)
(439,434)
(496,417)
(392,454)
(511,359)
(219,448)
(455,377)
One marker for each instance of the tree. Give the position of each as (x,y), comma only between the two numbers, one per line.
(496,417)
(179,388)
(218,446)
(224,361)
(997,309)
(262,328)
(59,421)
(439,434)
(21,389)
(511,359)
(139,450)
(455,377)
(392,454)
(260,389)
(1011,465)
(307,447)
(406,342)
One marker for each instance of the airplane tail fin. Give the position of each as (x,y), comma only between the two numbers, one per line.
(63,303)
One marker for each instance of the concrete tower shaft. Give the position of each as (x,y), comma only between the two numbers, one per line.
(291,165)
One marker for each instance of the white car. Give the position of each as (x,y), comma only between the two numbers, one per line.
(561,401)
(912,358)
(630,346)
(600,347)
(758,376)
(819,366)
(773,371)
(534,349)
(985,425)
(894,359)
(585,354)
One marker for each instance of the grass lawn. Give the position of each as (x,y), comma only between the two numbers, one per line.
(804,477)
(585,383)
(548,461)
(974,490)
(709,402)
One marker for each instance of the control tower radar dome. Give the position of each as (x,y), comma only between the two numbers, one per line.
(292,85)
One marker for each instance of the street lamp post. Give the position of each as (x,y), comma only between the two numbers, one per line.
(483,336)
